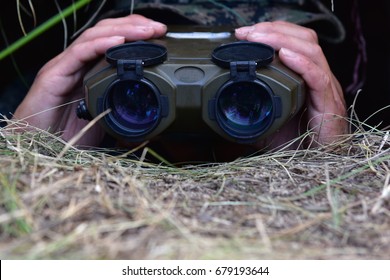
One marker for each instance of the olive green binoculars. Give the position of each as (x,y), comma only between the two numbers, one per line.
(197,82)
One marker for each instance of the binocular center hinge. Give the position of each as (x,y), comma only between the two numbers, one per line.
(243,70)
(130,69)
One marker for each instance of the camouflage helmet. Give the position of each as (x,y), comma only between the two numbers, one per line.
(312,13)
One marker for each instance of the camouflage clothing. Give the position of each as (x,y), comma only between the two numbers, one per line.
(311,13)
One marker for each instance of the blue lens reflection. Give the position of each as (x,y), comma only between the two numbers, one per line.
(134,104)
(245,107)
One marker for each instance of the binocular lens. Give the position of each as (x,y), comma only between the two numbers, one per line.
(244,108)
(134,105)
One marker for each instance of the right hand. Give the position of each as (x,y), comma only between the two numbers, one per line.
(299,50)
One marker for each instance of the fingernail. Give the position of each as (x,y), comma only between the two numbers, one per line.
(287,52)
(257,35)
(117,38)
(144,28)
(157,24)
(244,30)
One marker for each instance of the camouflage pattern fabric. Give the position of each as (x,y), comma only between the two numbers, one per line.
(312,13)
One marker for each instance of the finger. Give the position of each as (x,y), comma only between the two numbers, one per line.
(67,68)
(323,88)
(130,26)
(281,27)
(314,76)
(326,110)
(133,19)
(85,52)
(128,31)
(278,40)
(317,81)
(285,34)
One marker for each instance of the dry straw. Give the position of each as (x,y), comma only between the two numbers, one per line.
(58,201)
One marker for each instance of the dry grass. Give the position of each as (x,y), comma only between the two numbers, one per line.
(328,203)
(57,202)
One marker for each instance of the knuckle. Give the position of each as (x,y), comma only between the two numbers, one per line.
(316,50)
(88,33)
(75,50)
(115,29)
(137,17)
(264,26)
(311,35)
(325,80)
(276,37)
(104,22)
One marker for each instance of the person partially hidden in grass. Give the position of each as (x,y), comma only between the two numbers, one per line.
(59,82)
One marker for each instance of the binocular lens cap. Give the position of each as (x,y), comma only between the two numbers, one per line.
(260,53)
(149,53)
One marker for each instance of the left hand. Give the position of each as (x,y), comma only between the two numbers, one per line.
(300,51)
(50,103)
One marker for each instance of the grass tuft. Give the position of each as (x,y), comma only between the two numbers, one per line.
(58,202)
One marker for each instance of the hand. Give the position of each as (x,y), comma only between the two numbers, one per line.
(299,50)
(48,104)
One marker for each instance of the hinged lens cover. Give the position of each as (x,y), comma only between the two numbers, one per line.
(149,53)
(243,51)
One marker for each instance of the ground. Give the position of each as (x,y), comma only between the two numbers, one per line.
(58,202)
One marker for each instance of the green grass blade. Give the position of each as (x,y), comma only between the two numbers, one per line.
(42,28)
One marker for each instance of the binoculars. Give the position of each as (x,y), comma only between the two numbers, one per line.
(192,82)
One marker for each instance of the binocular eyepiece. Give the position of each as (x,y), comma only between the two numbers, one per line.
(192,84)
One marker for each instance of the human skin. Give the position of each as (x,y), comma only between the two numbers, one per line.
(59,82)
(299,50)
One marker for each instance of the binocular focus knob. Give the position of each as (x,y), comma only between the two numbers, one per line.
(82,111)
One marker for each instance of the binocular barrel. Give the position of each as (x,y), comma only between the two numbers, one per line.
(238,90)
